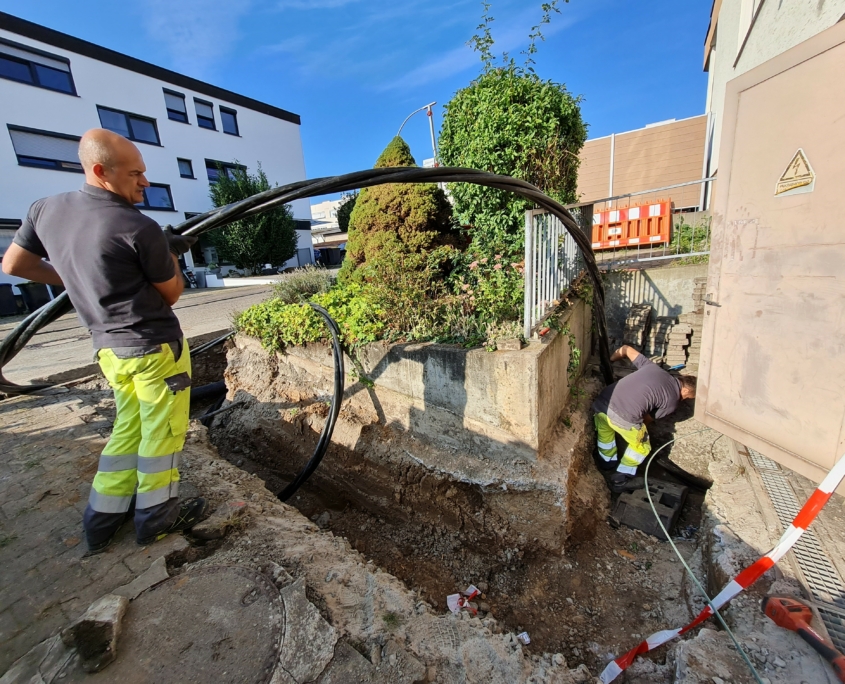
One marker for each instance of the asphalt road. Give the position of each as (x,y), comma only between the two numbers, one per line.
(66,344)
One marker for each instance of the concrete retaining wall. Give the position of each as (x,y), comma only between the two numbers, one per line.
(447,438)
(667,289)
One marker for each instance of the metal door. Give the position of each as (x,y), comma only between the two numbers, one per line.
(772,371)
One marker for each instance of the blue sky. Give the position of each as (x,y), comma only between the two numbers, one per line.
(354,69)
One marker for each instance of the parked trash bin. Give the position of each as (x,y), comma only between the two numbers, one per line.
(35,295)
(200,278)
(8,305)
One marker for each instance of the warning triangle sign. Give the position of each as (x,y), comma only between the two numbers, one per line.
(797,174)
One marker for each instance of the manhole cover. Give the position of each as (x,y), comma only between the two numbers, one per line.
(212,624)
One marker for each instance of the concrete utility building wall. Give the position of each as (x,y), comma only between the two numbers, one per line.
(745,33)
(655,156)
(264,138)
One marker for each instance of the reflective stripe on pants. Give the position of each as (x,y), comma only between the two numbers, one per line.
(143,454)
(637,438)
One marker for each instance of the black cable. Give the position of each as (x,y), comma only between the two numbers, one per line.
(201,349)
(334,410)
(275,197)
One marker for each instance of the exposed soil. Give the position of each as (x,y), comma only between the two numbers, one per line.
(593,601)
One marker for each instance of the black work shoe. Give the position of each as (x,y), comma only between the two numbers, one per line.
(96,549)
(602,464)
(618,482)
(191,512)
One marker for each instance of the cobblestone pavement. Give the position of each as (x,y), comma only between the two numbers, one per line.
(50,447)
(66,344)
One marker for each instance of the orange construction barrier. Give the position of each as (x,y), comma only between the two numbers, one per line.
(646,224)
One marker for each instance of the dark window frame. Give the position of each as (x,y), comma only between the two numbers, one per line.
(129,116)
(145,204)
(234,113)
(190,163)
(44,162)
(35,78)
(176,111)
(214,163)
(201,117)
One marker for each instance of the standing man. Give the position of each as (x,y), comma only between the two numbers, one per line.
(625,408)
(121,273)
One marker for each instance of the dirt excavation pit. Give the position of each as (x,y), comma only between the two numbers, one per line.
(590,595)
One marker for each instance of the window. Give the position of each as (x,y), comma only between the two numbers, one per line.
(229,119)
(132,126)
(186,168)
(46,150)
(214,168)
(8,228)
(175,103)
(27,65)
(205,114)
(157,197)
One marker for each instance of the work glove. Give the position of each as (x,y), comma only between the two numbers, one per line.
(178,244)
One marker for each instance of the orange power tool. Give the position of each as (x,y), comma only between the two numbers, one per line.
(788,613)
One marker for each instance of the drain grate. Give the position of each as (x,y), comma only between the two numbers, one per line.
(820,575)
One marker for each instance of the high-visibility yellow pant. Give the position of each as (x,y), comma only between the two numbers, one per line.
(141,460)
(638,447)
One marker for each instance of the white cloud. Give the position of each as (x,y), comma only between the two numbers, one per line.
(196,33)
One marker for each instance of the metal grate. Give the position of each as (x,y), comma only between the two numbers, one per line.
(821,576)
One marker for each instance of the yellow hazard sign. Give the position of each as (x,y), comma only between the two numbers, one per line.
(799,174)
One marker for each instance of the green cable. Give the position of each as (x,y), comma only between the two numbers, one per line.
(684,563)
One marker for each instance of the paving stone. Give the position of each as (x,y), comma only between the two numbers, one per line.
(156,573)
(42,663)
(96,632)
(308,648)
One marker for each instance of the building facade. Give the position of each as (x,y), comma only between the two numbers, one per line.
(744,34)
(661,154)
(54,87)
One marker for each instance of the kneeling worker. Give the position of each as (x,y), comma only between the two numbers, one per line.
(122,275)
(625,407)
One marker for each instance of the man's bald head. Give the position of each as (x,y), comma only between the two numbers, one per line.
(99,146)
(113,163)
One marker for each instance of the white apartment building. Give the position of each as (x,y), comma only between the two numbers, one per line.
(54,87)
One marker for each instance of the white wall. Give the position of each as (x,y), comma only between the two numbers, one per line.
(274,142)
(780,25)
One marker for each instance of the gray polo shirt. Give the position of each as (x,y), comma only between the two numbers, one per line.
(649,389)
(108,255)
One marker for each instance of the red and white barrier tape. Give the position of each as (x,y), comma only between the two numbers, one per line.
(743,580)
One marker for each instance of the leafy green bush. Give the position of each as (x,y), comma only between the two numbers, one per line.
(278,324)
(302,284)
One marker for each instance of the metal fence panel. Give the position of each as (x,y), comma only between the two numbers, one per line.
(552,262)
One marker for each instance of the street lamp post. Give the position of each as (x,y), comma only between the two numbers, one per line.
(430,124)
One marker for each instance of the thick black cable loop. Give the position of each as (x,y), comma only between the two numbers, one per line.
(334,410)
(279,196)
